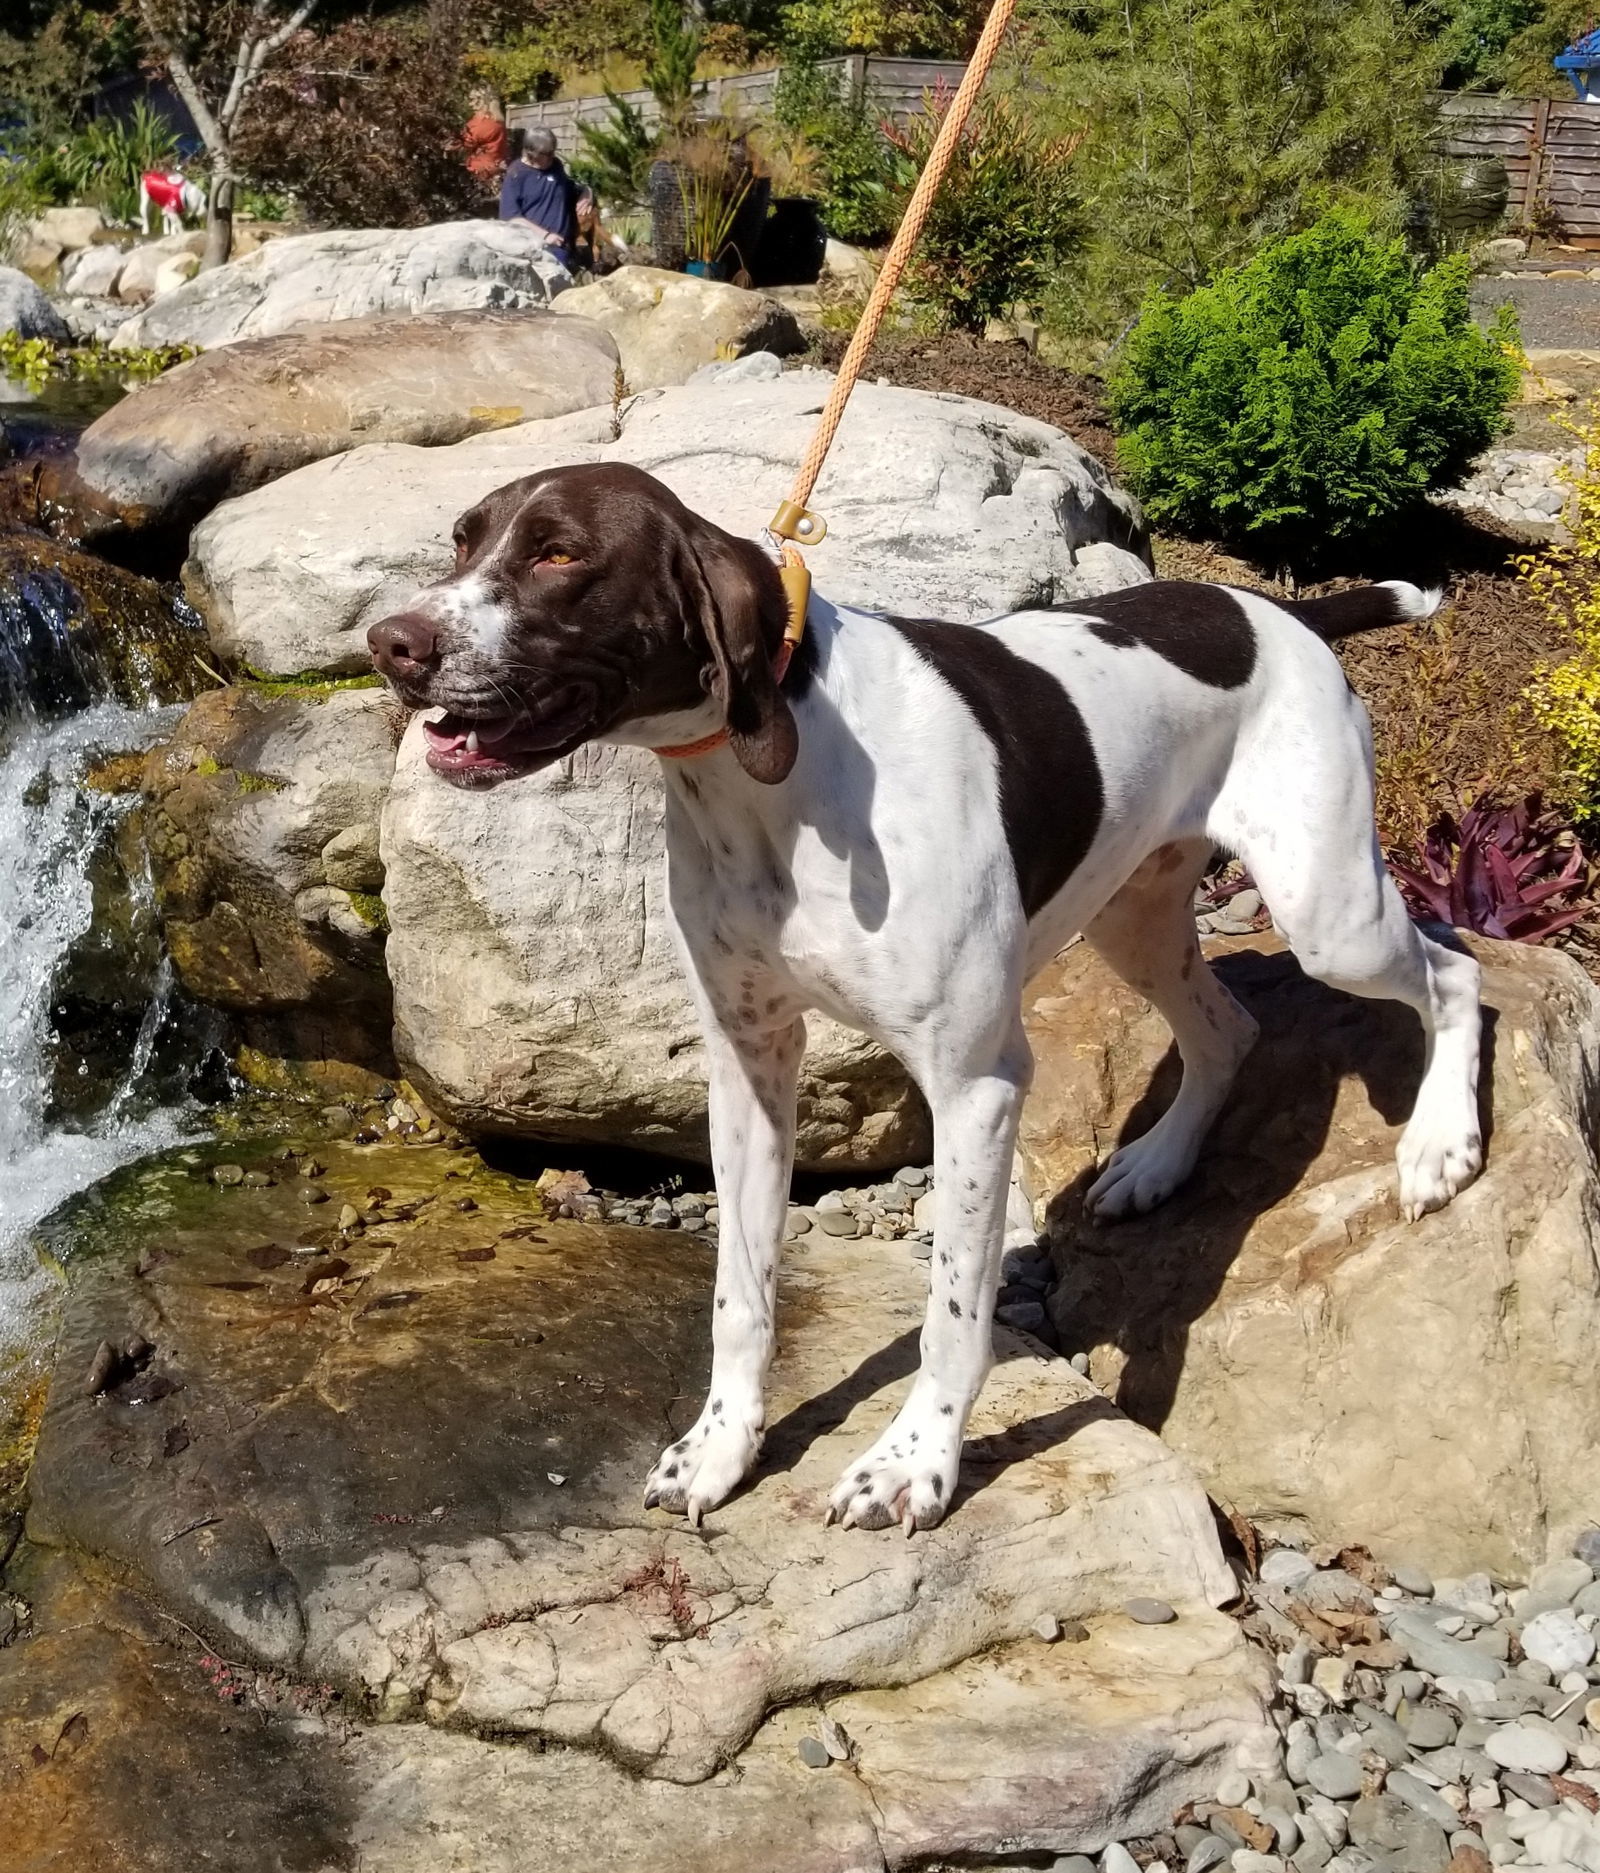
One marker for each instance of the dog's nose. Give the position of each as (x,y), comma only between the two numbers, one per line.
(403,644)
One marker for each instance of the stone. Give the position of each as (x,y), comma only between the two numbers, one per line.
(1246,1861)
(242,801)
(26,310)
(1533,1789)
(1145,1612)
(69,228)
(93,271)
(1335,1775)
(1429,1728)
(1552,1586)
(1022,1316)
(1423,1800)
(1586,1548)
(911,1177)
(1233,1788)
(136,280)
(1503,250)
(1385,1825)
(1286,1568)
(938,505)
(668,325)
(1519,1746)
(238,417)
(1117,1859)
(1278,1295)
(1332,1677)
(847,273)
(571,1615)
(352,273)
(1413,1580)
(175,271)
(1556,1640)
(814,1753)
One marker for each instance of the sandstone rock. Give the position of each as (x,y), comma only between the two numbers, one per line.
(314,279)
(93,271)
(938,506)
(370,1532)
(69,228)
(537,989)
(175,271)
(667,325)
(244,801)
(25,310)
(137,280)
(240,416)
(1333,1372)
(847,273)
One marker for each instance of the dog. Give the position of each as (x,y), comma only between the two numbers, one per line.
(179,200)
(898,834)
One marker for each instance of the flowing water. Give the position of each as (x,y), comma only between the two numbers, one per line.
(87,1006)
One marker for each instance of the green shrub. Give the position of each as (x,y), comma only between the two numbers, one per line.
(1005,219)
(839,152)
(1312,394)
(102,162)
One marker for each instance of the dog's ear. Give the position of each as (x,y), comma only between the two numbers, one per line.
(742,613)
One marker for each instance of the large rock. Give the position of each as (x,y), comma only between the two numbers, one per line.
(408,1468)
(25,309)
(241,415)
(69,228)
(938,506)
(536,987)
(262,832)
(668,324)
(136,281)
(1430,1389)
(93,271)
(314,279)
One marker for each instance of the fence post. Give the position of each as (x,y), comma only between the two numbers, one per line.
(856,77)
(1534,187)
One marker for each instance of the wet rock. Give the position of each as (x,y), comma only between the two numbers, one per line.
(367,1377)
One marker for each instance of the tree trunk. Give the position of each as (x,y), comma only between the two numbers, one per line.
(219,219)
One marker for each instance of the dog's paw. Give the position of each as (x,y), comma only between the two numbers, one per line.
(906,1478)
(704,1467)
(1140,1175)
(1437,1158)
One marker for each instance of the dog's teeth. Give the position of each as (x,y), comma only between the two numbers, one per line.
(472,741)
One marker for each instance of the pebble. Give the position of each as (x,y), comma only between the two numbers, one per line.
(661,1215)
(1021,1316)
(1429,1728)
(1429,1650)
(1421,1799)
(1413,1580)
(227,1175)
(799,1223)
(838,1223)
(835,1738)
(1330,1818)
(1519,1746)
(1117,1859)
(912,1177)
(313,1193)
(922,1251)
(349,1216)
(1047,1627)
(1533,1789)
(1149,1612)
(1587,1549)
(1245,1861)
(1591,1713)
(1557,1640)
(1335,1775)
(1233,1788)
(1286,1568)
(1209,1852)
(1072,1863)
(256,1180)
(814,1752)
(1331,1676)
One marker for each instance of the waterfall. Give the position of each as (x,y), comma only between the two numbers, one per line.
(65,876)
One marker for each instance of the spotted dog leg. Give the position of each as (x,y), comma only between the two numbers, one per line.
(909,1474)
(752,1108)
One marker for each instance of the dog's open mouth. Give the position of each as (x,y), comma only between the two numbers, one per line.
(480,750)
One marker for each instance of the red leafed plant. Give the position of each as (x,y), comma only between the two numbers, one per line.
(1502,871)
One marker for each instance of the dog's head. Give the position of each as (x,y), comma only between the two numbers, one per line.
(588,602)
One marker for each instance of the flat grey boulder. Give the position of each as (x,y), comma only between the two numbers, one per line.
(938,506)
(241,415)
(401,1454)
(353,273)
(26,310)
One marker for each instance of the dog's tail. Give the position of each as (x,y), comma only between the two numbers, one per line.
(1363,608)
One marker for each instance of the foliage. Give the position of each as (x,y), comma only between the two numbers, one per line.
(840,140)
(552,38)
(362,126)
(1311,395)
(103,162)
(889,28)
(616,156)
(1564,583)
(1005,218)
(1502,871)
(713,180)
(35,362)
(1507,45)
(669,67)
(1215,126)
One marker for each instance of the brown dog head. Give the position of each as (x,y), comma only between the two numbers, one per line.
(589,601)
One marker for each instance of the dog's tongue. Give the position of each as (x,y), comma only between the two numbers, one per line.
(465,747)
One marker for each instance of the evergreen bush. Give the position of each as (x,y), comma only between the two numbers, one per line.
(1311,395)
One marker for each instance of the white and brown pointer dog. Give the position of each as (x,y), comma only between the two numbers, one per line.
(898,835)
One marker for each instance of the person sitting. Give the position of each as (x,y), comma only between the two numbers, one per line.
(485,138)
(538,193)
(598,250)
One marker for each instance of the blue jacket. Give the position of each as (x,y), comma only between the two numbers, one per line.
(546,197)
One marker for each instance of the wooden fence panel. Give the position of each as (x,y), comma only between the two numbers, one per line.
(1551,150)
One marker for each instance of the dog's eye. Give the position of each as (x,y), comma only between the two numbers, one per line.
(553,562)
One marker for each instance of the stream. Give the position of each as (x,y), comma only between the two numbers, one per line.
(97,1052)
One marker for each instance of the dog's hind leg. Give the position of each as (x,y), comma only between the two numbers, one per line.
(1321,871)
(751,1097)
(1147,934)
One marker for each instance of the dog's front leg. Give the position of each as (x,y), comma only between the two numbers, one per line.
(909,1475)
(751,1097)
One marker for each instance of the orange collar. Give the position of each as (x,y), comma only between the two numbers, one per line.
(688,750)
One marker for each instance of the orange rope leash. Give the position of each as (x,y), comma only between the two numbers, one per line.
(793,522)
